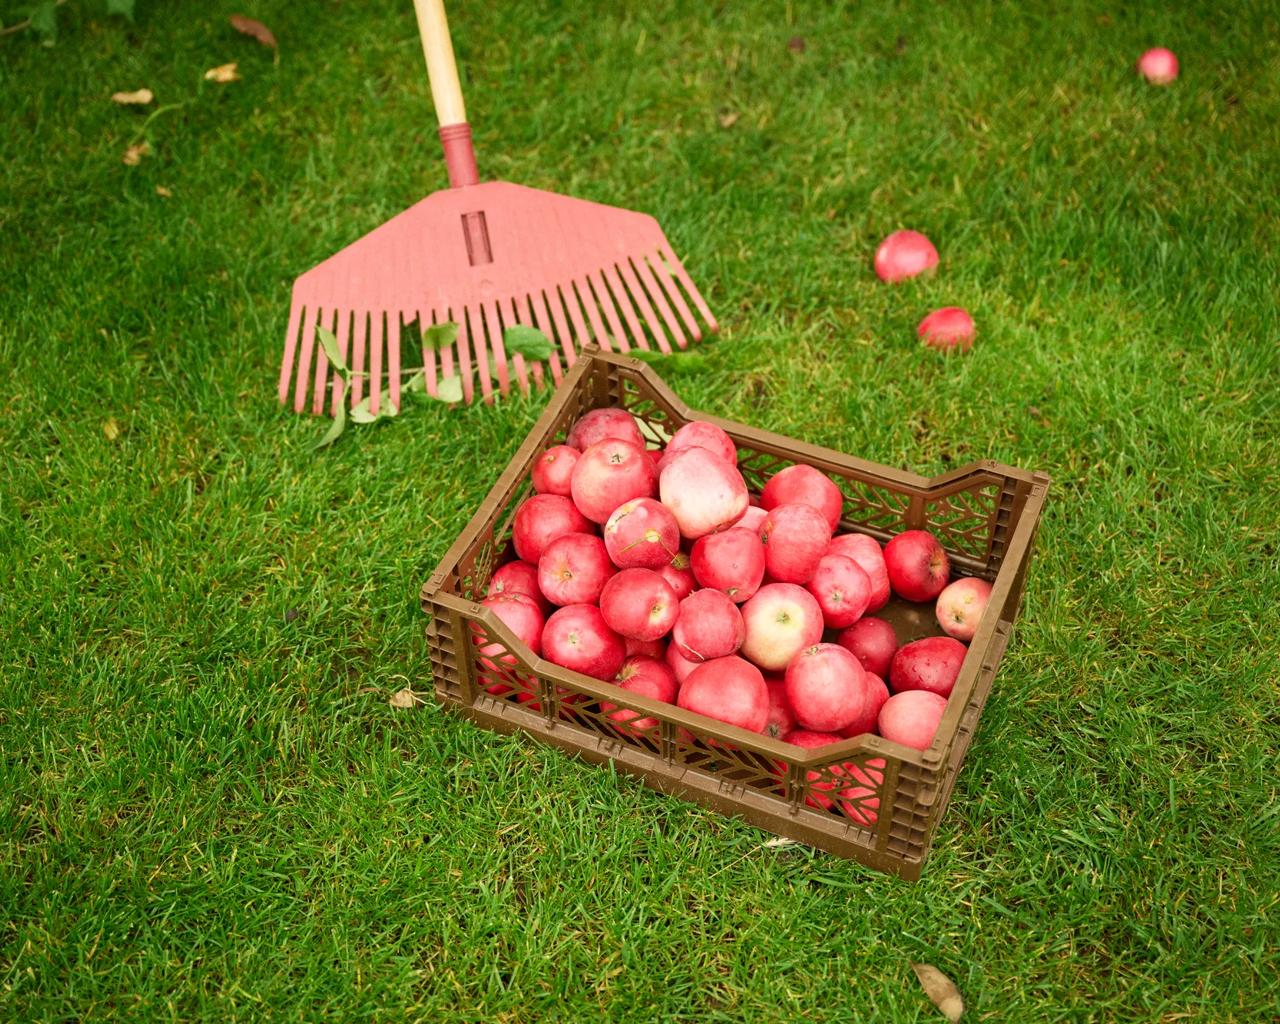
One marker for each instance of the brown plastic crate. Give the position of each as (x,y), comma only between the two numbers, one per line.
(986,516)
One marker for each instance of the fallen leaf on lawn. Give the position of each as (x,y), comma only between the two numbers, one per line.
(941,991)
(403,698)
(773,844)
(164,192)
(728,118)
(255,29)
(137,98)
(222,74)
(796,44)
(112,429)
(134,154)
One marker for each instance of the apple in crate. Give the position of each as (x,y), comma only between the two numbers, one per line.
(867,553)
(853,787)
(781,719)
(641,534)
(731,562)
(868,721)
(679,664)
(752,519)
(522,616)
(703,491)
(679,573)
(781,620)
(649,678)
(912,718)
(518,578)
(825,688)
(553,471)
(961,605)
(709,626)
(727,689)
(918,567)
(700,434)
(639,604)
(608,474)
(598,424)
(647,648)
(841,589)
(873,642)
(578,638)
(795,537)
(930,664)
(859,801)
(804,485)
(542,519)
(574,569)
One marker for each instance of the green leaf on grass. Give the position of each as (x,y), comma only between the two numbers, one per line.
(529,342)
(330,345)
(450,389)
(44,21)
(124,8)
(415,384)
(439,336)
(360,412)
(335,430)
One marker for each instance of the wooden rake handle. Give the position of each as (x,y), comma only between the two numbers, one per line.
(446,92)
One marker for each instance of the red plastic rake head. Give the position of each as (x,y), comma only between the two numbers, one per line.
(486,257)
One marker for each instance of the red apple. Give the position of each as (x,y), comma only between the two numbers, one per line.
(904,254)
(866,552)
(639,604)
(825,688)
(912,718)
(522,616)
(841,589)
(804,485)
(781,718)
(752,519)
(679,574)
(641,534)
(930,664)
(554,470)
(577,637)
(649,678)
(574,569)
(859,801)
(918,567)
(960,607)
(518,578)
(1158,66)
(947,328)
(710,626)
(853,787)
(700,434)
(795,537)
(679,664)
(595,426)
(877,693)
(729,690)
(608,474)
(873,642)
(703,491)
(543,518)
(782,619)
(646,648)
(732,561)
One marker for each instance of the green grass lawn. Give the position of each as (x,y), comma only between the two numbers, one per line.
(207,808)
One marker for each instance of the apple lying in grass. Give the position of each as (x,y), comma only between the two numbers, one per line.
(679,574)
(641,534)
(1158,66)
(904,254)
(873,642)
(912,718)
(946,329)
(825,688)
(795,537)
(918,566)
(727,689)
(700,434)
(639,604)
(608,474)
(518,578)
(804,485)
(598,424)
(709,626)
(961,605)
(574,569)
(543,518)
(649,678)
(781,620)
(841,589)
(930,664)
(577,637)
(703,491)
(553,471)
(870,558)
(731,561)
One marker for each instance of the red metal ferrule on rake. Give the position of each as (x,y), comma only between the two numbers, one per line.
(485,256)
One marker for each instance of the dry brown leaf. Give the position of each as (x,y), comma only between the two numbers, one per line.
(163,192)
(134,154)
(728,118)
(403,698)
(255,29)
(941,991)
(137,98)
(112,429)
(222,74)
(796,44)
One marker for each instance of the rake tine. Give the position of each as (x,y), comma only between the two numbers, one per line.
(472,323)
(321,384)
(510,317)
(577,326)
(446,354)
(623,301)
(359,348)
(672,291)
(393,353)
(588,302)
(303,375)
(681,275)
(461,346)
(344,337)
(552,299)
(296,312)
(493,330)
(542,321)
(650,284)
(605,302)
(377,333)
(428,355)
(641,300)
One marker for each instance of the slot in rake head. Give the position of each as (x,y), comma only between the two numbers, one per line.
(486,257)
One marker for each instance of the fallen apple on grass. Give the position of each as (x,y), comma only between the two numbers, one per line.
(1158,66)
(904,254)
(946,329)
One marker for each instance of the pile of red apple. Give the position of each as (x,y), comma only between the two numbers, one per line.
(652,570)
